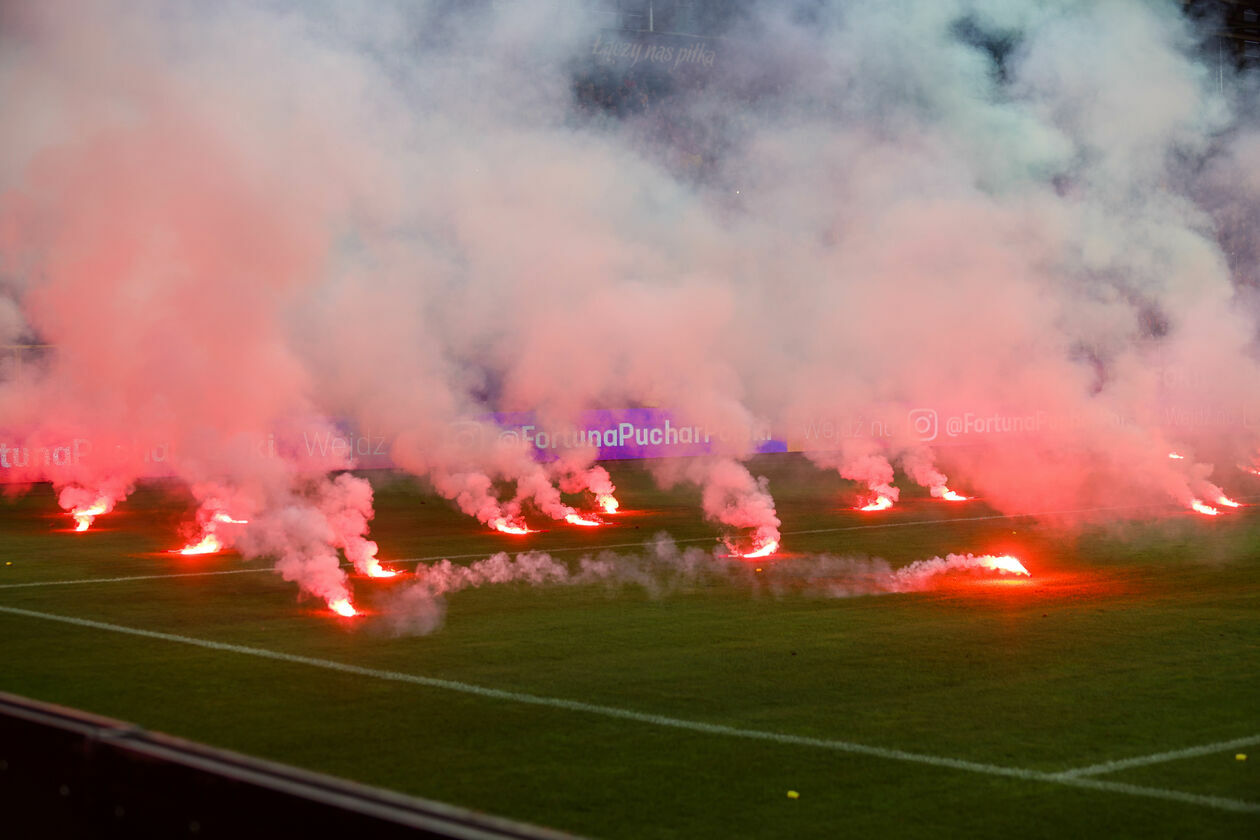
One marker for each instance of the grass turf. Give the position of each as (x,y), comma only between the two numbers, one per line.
(1130,639)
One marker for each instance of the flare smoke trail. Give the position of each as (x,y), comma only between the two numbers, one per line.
(884,228)
(663,569)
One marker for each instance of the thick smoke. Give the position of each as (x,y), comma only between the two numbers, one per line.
(1008,242)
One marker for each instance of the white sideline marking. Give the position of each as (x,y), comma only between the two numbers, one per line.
(132,577)
(1159,758)
(597,548)
(1217,802)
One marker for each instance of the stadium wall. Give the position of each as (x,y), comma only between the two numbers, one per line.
(65,773)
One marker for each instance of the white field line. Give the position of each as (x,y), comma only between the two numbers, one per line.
(1216,802)
(597,548)
(1159,758)
(131,577)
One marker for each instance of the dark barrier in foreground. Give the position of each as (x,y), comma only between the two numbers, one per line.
(65,773)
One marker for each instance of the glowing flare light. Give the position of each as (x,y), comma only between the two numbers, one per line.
(1227,501)
(1203,508)
(577,519)
(951,496)
(343,608)
(1005,563)
(83,516)
(1176,456)
(607,503)
(515,527)
(223,517)
(880,503)
(765,551)
(209,545)
(376,570)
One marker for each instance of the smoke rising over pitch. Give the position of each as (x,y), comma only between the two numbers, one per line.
(993,224)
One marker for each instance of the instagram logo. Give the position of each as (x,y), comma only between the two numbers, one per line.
(464,435)
(923,423)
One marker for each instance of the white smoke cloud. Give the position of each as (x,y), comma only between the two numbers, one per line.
(240,222)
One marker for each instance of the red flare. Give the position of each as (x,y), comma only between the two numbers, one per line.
(1227,501)
(514,527)
(759,549)
(343,607)
(765,551)
(1247,469)
(607,502)
(1176,456)
(1004,563)
(577,519)
(83,516)
(950,496)
(1205,509)
(376,570)
(209,545)
(880,503)
(223,517)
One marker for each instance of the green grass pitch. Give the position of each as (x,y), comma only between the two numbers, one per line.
(1131,639)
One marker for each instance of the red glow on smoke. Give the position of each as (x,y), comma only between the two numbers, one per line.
(607,503)
(880,503)
(1176,456)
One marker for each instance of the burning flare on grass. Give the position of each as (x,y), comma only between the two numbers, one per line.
(84,515)
(1003,563)
(923,574)
(1176,456)
(1227,501)
(765,551)
(1203,508)
(949,495)
(374,569)
(514,526)
(607,502)
(763,545)
(880,503)
(343,607)
(209,545)
(576,518)
(1249,469)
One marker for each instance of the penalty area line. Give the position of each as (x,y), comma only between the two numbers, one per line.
(663,721)
(132,577)
(1159,758)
